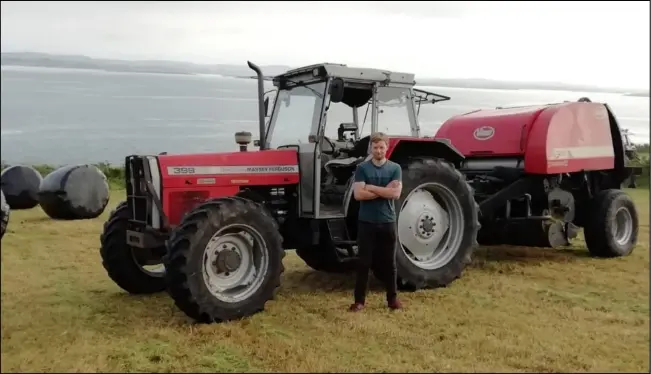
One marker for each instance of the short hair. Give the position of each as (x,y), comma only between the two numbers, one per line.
(379,136)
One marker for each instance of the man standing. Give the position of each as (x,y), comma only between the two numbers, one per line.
(378,182)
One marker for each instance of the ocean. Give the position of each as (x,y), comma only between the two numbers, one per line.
(65,116)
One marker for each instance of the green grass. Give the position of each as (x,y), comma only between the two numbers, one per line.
(643,161)
(514,309)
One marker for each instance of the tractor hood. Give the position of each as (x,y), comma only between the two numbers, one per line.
(256,167)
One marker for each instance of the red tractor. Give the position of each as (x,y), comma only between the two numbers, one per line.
(219,224)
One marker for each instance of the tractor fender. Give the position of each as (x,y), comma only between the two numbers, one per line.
(402,150)
(618,144)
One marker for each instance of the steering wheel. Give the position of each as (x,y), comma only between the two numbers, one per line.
(332,145)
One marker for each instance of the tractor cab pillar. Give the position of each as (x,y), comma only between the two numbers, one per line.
(327,113)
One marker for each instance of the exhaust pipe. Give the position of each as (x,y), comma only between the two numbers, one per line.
(261,111)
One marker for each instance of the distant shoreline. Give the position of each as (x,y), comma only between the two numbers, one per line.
(108,70)
(103,70)
(31,59)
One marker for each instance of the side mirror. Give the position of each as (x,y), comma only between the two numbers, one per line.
(337,90)
(266,106)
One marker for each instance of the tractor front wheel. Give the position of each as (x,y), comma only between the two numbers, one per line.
(612,227)
(128,266)
(437,222)
(224,260)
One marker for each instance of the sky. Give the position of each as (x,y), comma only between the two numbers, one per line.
(595,43)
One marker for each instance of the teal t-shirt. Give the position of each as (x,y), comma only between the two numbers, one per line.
(378,210)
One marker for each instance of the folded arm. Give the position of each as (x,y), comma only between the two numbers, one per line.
(361,192)
(391,191)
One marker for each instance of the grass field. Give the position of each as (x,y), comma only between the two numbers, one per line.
(515,309)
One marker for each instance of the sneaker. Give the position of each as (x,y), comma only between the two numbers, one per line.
(395,304)
(356,307)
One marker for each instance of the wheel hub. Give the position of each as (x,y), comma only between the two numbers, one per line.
(426,226)
(228,261)
(430,230)
(234,262)
(422,224)
(623,226)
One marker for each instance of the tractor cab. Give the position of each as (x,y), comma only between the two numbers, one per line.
(327,113)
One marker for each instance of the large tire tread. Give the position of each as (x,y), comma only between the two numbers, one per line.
(184,276)
(118,260)
(423,170)
(597,233)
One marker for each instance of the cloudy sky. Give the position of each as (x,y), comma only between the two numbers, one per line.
(596,43)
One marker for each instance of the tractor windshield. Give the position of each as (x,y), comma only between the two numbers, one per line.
(295,115)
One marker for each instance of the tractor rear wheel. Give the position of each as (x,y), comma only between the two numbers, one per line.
(612,228)
(124,264)
(224,260)
(437,223)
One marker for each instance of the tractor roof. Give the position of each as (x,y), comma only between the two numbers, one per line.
(346,73)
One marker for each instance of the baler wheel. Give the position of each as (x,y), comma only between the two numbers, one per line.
(224,260)
(611,229)
(126,265)
(437,225)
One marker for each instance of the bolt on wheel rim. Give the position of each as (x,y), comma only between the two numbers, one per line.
(430,226)
(623,226)
(234,263)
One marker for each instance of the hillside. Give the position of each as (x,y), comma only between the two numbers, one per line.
(142,66)
(180,67)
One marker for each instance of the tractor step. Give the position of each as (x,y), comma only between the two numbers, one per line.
(338,230)
(348,253)
(339,235)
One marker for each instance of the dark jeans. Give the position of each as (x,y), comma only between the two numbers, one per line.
(376,243)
